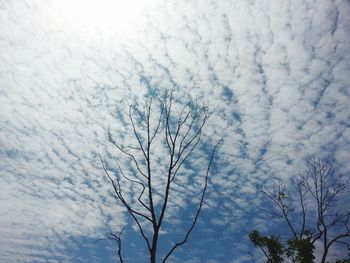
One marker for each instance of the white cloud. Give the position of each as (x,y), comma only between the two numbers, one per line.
(285,64)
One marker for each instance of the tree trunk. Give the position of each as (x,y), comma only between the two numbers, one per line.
(324,256)
(153,256)
(153,250)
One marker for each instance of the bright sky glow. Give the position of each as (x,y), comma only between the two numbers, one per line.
(105,15)
(277,73)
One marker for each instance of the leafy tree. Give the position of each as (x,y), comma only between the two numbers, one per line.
(300,250)
(270,245)
(165,134)
(313,209)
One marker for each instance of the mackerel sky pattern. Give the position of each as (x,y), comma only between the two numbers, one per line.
(278,73)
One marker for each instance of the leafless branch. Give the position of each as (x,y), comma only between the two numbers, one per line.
(199,208)
(120,148)
(117,190)
(117,238)
(136,133)
(318,188)
(179,133)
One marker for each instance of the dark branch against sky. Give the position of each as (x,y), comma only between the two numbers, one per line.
(276,72)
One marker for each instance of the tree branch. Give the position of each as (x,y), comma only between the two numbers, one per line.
(199,208)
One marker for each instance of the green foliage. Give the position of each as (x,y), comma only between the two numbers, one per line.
(321,188)
(300,250)
(271,243)
(282,196)
(275,249)
(255,237)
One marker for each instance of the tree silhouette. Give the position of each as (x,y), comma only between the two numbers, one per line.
(314,210)
(270,245)
(165,134)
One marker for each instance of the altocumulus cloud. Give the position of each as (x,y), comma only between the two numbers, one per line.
(278,72)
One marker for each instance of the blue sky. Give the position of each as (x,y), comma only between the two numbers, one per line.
(278,73)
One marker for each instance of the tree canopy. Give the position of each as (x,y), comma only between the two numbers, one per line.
(314,210)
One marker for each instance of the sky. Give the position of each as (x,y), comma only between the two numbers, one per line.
(276,72)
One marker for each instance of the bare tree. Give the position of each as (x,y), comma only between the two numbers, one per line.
(165,135)
(314,209)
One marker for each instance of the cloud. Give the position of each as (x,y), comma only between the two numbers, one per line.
(278,74)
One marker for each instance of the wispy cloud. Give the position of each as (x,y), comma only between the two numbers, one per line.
(278,73)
